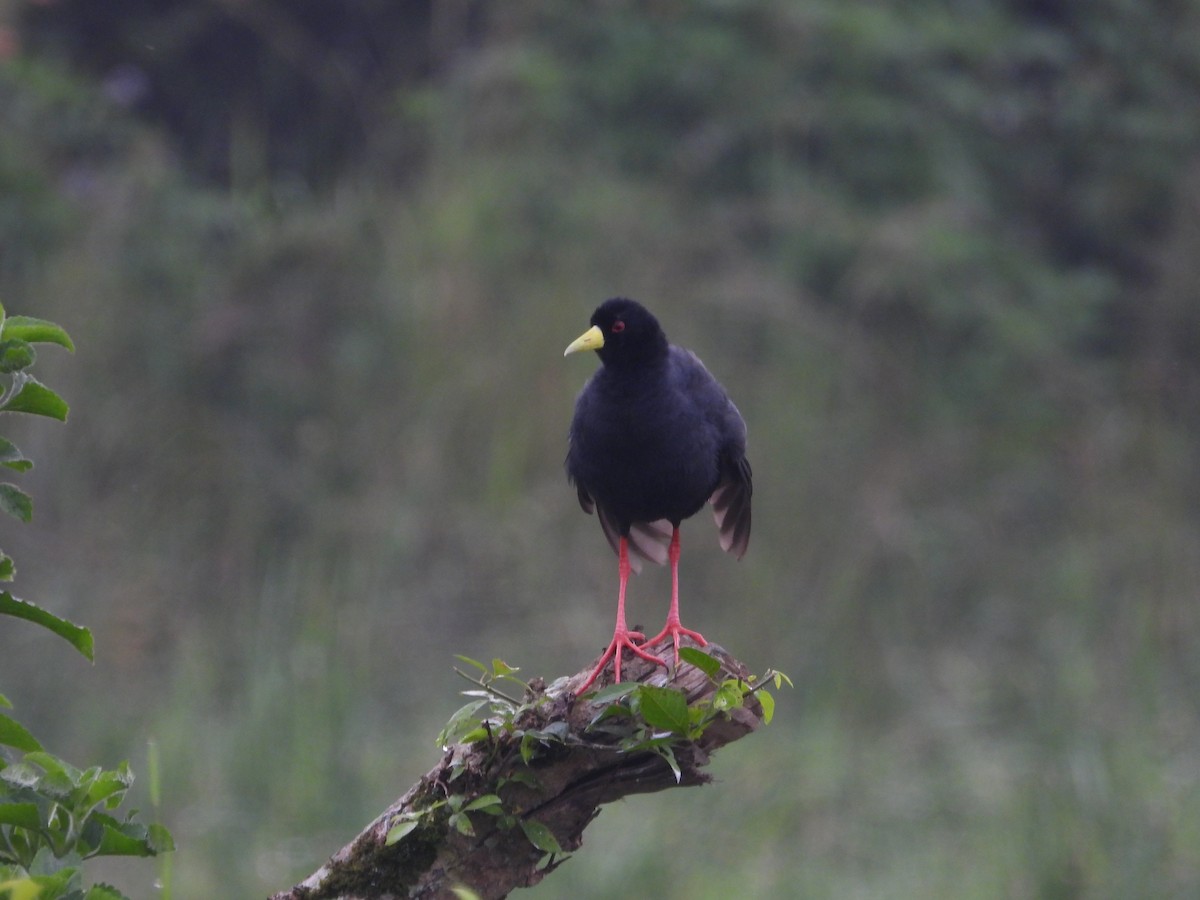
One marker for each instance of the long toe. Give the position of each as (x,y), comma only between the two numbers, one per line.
(674,631)
(622,640)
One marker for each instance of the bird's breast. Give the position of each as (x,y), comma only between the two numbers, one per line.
(642,462)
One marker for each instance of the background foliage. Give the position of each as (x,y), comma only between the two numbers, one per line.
(321,266)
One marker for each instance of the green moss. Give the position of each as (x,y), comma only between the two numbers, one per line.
(373,868)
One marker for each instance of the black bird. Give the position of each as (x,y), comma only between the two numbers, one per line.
(653,439)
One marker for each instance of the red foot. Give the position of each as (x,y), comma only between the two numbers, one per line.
(673,629)
(621,638)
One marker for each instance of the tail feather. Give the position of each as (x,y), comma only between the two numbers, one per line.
(647,540)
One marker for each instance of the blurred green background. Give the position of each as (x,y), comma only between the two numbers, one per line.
(320,262)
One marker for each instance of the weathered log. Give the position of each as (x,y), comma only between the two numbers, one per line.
(556,788)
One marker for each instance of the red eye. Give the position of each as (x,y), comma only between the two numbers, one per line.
(618,326)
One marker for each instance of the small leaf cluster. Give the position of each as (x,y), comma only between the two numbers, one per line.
(24,393)
(644,717)
(467,725)
(492,715)
(53,816)
(20,392)
(460,806)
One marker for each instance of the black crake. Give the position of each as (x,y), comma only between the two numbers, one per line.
(654,437)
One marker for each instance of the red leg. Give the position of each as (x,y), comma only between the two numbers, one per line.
(673,628)
(622,636)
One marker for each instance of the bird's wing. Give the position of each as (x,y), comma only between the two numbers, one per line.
(585,499)
(731,505)
(731,497)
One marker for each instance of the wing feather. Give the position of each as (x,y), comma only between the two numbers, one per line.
(731,507)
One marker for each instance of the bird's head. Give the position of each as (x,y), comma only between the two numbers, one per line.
(623,332)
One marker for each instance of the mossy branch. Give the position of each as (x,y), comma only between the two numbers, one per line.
(520,781)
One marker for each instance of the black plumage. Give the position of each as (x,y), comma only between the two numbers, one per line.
(654,438)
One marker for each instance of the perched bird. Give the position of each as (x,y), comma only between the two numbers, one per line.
(653,439)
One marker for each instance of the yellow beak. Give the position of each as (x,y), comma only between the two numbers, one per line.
(592,339)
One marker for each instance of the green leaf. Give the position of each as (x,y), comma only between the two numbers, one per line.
(614,691)
(663,707)
(62,770)
(8,568)
(401,830)
(500,668)
(31,396)
(462,892)
(709,665)
(669,755)
(474,663)
(14,734)
(16,355)
(108,787)
(59,870)
(780,678)
(57,780)
(159,839)
(541,836)
(5,702)
(76,635)
(555,731)
(122,839)
(15,502)
(699,716)
(461,822)
(767,702)
(22,889)
(729,695)
(533,739)
(12,457)
(474,735)
(23,815)
(36,331)
(488,803)
(460,723)
(103,892)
